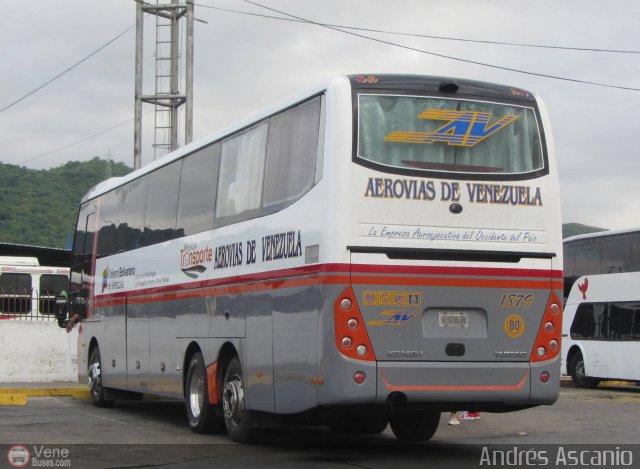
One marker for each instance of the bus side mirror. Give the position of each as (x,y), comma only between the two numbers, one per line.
(61,311)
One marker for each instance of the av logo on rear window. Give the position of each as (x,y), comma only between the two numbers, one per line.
(393,318)
(463,128)
(391,298)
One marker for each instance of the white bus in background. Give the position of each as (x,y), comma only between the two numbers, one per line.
(601,332)
(376,250)
(28,290)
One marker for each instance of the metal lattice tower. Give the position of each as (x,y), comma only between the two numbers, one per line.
(167,97)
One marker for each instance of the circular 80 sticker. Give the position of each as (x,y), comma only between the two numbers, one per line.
(514,325)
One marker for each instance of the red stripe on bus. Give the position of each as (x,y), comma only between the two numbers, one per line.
(249,282)
(440,270)
(457,282)
(137,298)
(470,387)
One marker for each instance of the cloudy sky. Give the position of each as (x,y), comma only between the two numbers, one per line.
(245,62)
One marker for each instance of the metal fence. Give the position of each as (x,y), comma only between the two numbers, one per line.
(27,305)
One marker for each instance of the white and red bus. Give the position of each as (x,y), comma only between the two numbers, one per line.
(601,335)
(29,290)
(378,249)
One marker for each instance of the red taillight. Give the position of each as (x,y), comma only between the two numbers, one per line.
(352,339)
(548,339)
(359,377)
(544,377)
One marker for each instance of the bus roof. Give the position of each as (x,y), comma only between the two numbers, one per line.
(600,234)
(19,261)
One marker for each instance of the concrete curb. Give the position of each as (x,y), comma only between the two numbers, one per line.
(18,396)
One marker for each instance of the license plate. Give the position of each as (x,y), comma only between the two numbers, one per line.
(454,319)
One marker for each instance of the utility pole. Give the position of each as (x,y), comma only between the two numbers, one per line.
(167,97)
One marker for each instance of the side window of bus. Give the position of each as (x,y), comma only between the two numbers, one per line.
(291,155)
(15,292)
(198,185)
(616,254)
(162,205)
(635,327)
(132,199)
(241,175)
(82,250)
(569,256)
(634,263)
(50,287)
(584,322)
(621,321)
(588,257)
(107,224)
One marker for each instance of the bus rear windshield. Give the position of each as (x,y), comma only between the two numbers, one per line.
(418,133)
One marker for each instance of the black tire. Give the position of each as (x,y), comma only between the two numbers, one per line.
(576,370)
(414,427)
(374,426)
(200,413)
(237,417)
(371,427)
(94,375)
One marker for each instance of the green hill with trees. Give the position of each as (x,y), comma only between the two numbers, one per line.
(39,207)
(573,229)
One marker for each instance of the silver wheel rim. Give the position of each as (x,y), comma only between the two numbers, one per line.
(233,399)
(580,370)
(196,393)
(94,377)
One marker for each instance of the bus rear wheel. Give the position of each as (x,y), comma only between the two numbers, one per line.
(414,427)
(237,417)
(200,413)
(94,376)
(578,375)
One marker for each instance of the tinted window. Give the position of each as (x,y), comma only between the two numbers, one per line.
(588,257)
(132,198)
(601,321)
(589,322)
(16,283)
(241,176)
(634,264)
(107,223)
(198,190)
(15,293)
(162,204)
(616,251)
(569,259)
(291,154)
(52,285)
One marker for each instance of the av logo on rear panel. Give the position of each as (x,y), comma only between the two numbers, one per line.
(463,128)
(393,318)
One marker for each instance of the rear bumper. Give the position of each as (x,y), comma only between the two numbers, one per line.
(513,383)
